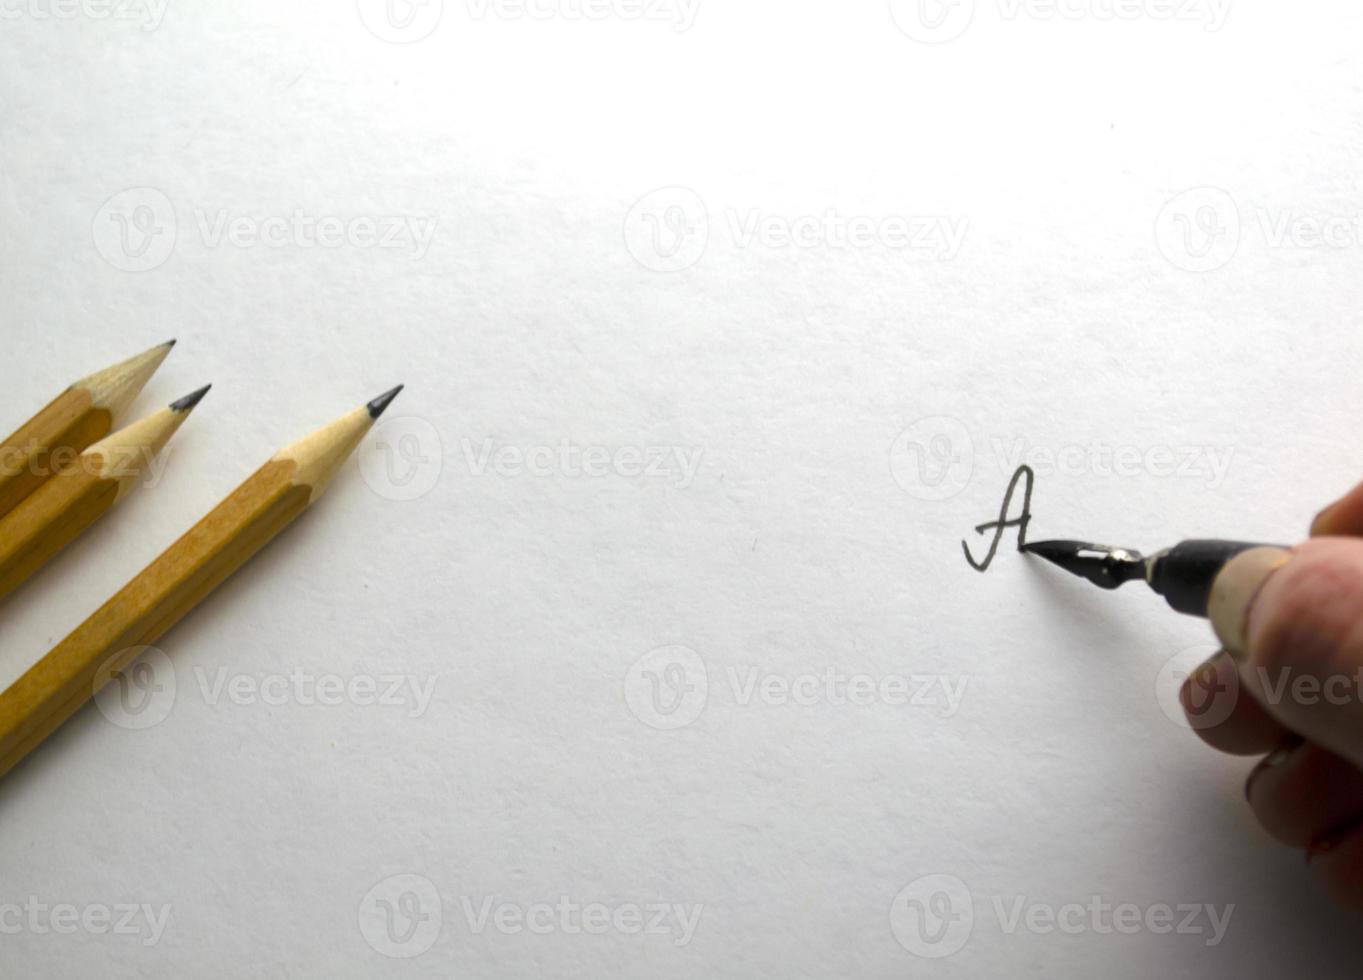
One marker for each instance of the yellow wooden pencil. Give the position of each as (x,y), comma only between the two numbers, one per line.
(80,415)
(158,596)
(51,517)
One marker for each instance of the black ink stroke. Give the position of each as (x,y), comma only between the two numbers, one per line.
(1004,523)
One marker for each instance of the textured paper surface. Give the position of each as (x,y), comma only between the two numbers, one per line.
(656,479)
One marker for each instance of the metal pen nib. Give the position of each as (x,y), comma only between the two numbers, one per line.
(1104,566)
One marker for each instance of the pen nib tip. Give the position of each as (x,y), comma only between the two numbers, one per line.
(377,406)
(1104,566)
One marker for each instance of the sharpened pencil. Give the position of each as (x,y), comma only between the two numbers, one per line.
(55,514)
(81,415)
(159,596)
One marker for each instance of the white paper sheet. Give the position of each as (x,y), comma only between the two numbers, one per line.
(678,292)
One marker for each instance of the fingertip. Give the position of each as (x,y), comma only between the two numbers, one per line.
(1343,517)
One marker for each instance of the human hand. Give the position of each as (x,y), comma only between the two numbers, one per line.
(1290,684)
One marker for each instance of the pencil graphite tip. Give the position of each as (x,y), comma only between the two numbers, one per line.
(377,406)
(188,402)
(169,343)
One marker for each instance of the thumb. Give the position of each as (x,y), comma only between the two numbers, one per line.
(1294,623)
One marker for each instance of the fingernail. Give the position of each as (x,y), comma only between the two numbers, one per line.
(1273,760)
(1330,840)
(1321,518)
(1234,590)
